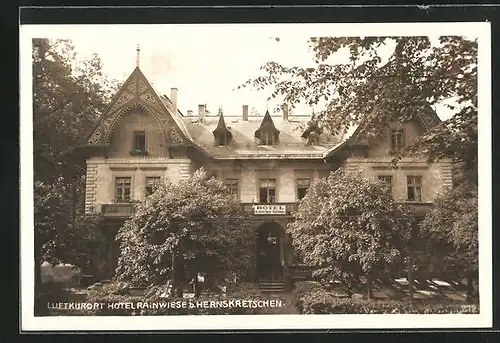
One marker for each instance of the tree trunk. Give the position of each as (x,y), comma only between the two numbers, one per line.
(410,276)
(73,202)
(178,276)
(369,284)
(197,288)
(174,279)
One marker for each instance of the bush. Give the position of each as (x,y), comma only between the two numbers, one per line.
(110,293)
(311,298)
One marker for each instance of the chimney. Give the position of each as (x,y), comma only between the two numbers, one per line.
(173,98)
(189,113)
(285,112)
(245,112)
(201,113)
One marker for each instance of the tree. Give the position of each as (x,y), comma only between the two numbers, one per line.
(347,226)
(68,96)
(452,226)
(370,90)
(184,229)
(60,234)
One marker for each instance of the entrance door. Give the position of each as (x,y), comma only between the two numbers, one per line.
(270,246)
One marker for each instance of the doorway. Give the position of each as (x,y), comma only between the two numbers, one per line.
(270,251)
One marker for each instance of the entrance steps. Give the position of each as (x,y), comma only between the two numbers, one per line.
(272,286)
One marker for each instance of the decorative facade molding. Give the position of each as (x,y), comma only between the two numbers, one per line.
(136,93)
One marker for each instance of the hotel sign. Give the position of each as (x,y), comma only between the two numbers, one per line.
(269,209)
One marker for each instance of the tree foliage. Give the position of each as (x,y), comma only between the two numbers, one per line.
(62,235)
(347,226)
(370,90)
(452,226)
(68,96)
(184,229)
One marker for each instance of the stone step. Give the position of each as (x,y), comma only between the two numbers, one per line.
(272,286)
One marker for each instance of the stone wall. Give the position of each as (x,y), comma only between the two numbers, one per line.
(435,176)
(100,186)
(285,173)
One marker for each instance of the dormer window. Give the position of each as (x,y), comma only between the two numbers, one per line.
(221,133)
(221,140)
(267,134)
(267,138)
(313,138)
(312,133)
(139,147)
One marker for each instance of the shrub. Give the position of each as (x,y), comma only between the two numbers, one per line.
(110,293)
(311,298)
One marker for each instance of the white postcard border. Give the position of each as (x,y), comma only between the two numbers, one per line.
(372,321)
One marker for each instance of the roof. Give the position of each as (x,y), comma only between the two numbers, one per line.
(292,132)
(245,145)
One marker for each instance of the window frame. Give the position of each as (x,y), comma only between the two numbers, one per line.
(233,184)
(383,177)
(135,150)
(221,138)
(270,180)
(297,179)
(267,138)
(414,185)
(394,146)
(130,187)
(146,186)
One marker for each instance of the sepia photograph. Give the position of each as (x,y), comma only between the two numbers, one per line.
(243,176)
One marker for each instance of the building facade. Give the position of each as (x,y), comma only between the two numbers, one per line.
(267,161)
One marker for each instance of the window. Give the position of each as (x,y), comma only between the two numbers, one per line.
(302,187)
(414,186)
(123,187)
(387,179)
(151,183)
(139,141)
(267,138)
(397,139)
(221,139)
(313,138)
(267,190)
(232,186)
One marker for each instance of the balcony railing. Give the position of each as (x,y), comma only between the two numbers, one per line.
(125,210)
(279,209)
(419,209)
(117,210)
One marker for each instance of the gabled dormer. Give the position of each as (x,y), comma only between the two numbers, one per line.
(267,133)
(312,132)
(222,134)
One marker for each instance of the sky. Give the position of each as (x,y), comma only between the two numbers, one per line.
(204,62)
